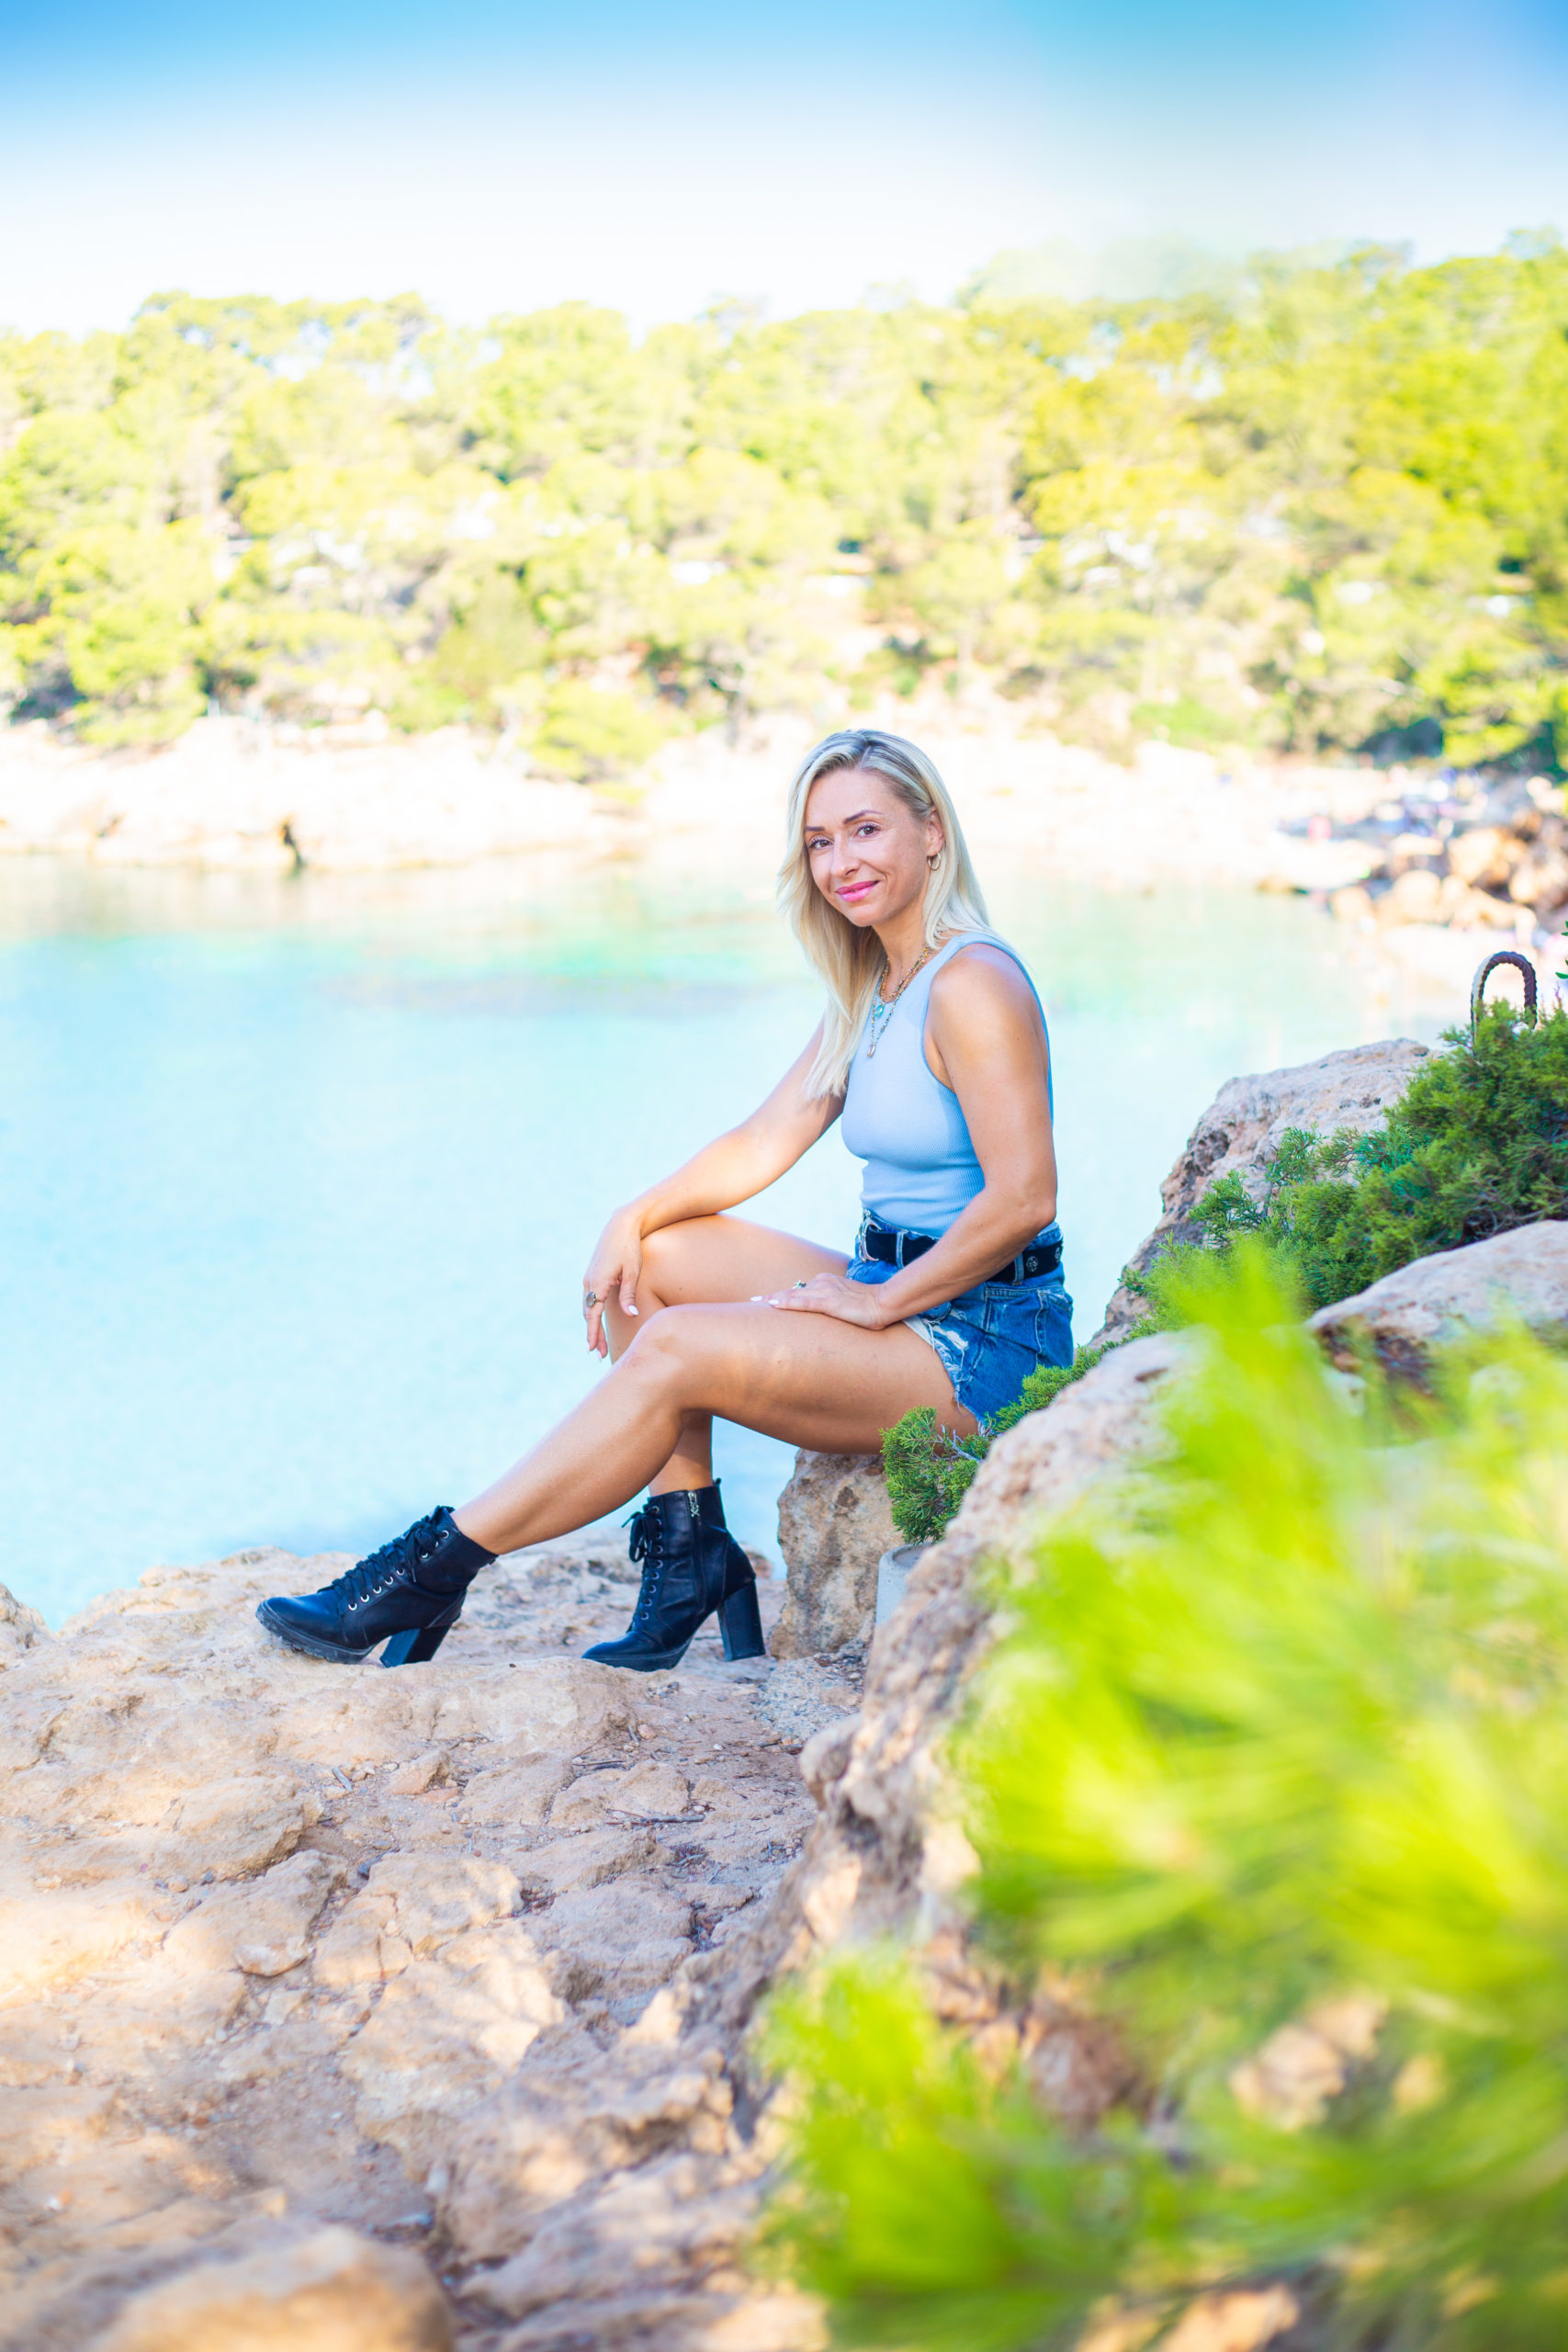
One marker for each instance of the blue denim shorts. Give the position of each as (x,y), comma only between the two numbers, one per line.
(990,1338)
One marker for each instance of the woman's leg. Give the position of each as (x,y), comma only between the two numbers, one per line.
(808,1379)
(709,1261)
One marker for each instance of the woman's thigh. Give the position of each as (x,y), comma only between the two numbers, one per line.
(708,1261)
(808,1379)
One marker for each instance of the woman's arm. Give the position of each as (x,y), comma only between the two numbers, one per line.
(987,1042)
(723,1173)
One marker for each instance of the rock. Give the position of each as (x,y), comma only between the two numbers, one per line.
(261,1928)
(332,2292)
(834,1526)
(568,1863)
(1415,897)
(518,1794)
(1523,1275)
(1484,856)
(624,1939)
(21,1628)
(1241,1130)
(446,2032)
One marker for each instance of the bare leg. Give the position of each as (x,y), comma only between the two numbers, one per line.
(808,1379)
(709,1261)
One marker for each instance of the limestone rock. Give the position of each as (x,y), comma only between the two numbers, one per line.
(260,1929)
(446,2032)
(1523,1274)
(625,1939)
(20,1627)
(834,1526)
(1241,1130)
(884,1857)
(332,2292)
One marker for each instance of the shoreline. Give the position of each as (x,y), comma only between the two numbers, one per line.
(233,797)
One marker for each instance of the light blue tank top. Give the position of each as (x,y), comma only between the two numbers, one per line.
(920,1168)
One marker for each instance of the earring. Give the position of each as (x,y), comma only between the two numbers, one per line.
(934,862)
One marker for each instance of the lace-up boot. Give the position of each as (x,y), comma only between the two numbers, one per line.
(692,1566)
(408,1594)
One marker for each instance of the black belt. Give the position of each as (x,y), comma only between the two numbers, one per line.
(893,1249)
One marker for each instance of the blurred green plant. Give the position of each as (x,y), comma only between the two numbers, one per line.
(1316,507)
(1265,1777)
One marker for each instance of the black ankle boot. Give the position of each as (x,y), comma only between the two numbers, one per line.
(692,1566)
(413,1590)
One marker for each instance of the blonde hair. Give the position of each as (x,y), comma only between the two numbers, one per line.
(851,960)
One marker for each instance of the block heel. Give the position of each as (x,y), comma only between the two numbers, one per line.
(740,1624)
(419,1644)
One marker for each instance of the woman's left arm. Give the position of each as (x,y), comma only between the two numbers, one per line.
(986,1039)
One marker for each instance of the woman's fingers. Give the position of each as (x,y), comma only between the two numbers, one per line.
(828,1294)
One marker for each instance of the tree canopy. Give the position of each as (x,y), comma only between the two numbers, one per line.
(1325,510)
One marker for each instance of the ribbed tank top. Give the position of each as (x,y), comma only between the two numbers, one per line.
(920,1168)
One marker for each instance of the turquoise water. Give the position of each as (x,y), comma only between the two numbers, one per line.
(299,1178)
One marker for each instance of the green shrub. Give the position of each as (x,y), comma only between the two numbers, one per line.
(1477,1145)
(1279,1721)
(930,1471)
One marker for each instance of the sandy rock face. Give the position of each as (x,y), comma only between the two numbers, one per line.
(284,1944)
(885,1856)
(834,1526)
(1241,1130)
(333,2292)
(1522,1275)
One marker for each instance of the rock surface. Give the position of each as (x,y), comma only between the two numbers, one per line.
(332,2292)
(1522,1275)
(419,1954)
(1241,1129)
(834,1526)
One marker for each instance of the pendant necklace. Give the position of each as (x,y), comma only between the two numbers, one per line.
(884,1011)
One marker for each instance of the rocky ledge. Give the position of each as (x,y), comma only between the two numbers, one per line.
(276,1939)
(368,2012)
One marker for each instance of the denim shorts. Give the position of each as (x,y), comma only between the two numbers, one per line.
(991,1337)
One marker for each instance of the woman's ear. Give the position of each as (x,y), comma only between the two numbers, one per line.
(935,845)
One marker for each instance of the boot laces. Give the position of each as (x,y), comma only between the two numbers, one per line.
(394,1563)
(647,1543)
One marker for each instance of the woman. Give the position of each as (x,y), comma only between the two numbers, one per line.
(934,1049)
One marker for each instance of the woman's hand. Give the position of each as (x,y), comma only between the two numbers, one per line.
(617,1264)
(832,1294)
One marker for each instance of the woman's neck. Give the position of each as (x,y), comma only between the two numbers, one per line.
(903,939)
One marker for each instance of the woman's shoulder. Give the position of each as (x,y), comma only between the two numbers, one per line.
(980,964)
(984,989)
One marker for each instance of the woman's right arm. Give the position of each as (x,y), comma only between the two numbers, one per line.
(730,1169)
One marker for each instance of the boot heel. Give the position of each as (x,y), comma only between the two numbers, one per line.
(740,1624)
(419,1644)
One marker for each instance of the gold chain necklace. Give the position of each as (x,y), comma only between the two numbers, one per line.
(884,1011)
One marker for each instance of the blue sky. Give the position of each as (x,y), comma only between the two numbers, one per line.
(499,156)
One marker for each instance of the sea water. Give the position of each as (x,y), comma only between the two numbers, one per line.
(299,1178)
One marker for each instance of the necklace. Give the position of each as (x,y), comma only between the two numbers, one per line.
(882,1013)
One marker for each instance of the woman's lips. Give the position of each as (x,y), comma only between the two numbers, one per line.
(857,890)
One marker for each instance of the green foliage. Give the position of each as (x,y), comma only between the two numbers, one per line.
(1477,1145)
(929,1470)
(1307,507)
(1277,1739)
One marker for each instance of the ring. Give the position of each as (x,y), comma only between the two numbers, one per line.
(801,1284)
(590,1298)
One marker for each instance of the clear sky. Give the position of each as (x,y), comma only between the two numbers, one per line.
(497,154)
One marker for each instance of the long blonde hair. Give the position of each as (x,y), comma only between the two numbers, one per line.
(851,960)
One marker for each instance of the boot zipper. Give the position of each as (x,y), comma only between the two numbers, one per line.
(692,1507)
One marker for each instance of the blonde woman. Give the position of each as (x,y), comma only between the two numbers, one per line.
(933,1049)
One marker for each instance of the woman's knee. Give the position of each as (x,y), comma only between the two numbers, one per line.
(668,1345)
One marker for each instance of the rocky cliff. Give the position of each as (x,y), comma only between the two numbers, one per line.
(356,2011)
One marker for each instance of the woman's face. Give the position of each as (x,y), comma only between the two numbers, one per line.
(868,853)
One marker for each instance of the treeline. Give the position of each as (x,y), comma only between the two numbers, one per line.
(1327,513)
